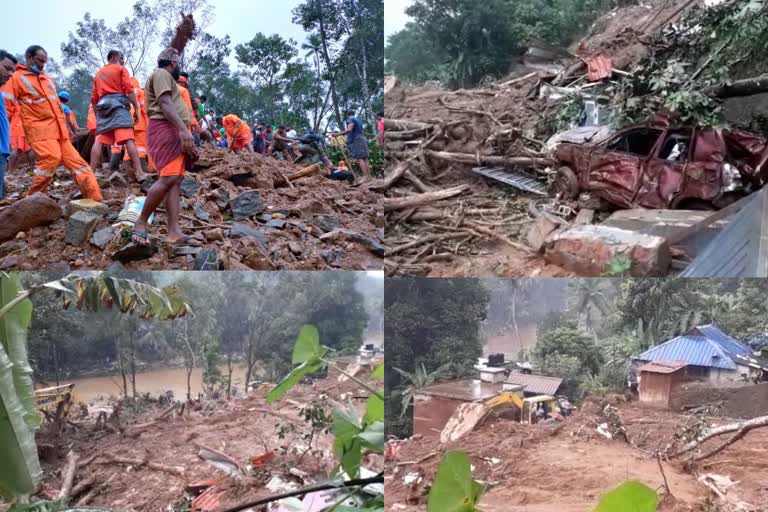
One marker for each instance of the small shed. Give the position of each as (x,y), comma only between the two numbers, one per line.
(659,379)
(535,385)
(434,405)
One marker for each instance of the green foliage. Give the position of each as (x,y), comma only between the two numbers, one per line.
(419,379)
(434,322)
(353,435)
(461,42)
(212,377)
(454,489)
(619,266)
(630,496)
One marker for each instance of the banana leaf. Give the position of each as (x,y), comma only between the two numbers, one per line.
(13,336)
(20,470)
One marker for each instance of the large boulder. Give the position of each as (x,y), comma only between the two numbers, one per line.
(592,250)
(35,210)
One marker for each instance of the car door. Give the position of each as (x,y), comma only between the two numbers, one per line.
(662,179)
(616,166)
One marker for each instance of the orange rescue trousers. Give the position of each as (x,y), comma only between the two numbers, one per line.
(53,152)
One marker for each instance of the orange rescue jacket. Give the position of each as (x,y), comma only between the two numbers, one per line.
(235,127)
(40,111)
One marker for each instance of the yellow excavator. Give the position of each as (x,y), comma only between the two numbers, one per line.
(54,402)
(467,416)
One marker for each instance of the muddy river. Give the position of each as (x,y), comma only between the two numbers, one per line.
(152,381)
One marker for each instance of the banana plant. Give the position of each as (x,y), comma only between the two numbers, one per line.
(20,471)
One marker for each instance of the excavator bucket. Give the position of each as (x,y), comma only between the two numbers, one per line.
(464,420)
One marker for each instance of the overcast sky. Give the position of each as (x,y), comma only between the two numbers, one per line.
(53,20)
(394,15)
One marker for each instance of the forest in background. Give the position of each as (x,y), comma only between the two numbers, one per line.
(588,341)
(462,42)
(304,84)
(246,317)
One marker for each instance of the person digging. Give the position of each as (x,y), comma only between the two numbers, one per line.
(170,144)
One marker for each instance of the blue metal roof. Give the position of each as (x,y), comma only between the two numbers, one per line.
(695,350)
(731,346)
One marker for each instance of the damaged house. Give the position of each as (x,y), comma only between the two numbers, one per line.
(707,353)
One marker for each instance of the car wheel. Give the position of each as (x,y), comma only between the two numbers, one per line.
(566,183)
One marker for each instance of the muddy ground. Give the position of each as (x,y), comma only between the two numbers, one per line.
(507,118)
(567,468)
(241,428)
(285,234)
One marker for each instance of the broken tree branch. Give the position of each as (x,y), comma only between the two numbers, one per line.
(741,427)
(467,158)
(69,476)
(416,200)
(173,470)
(401,125)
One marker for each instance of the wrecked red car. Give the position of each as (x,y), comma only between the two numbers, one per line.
(662,166)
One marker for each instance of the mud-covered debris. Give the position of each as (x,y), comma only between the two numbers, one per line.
(133,252)
(325,222)
(207,259)
(189,186)
(87,205)
(80,226)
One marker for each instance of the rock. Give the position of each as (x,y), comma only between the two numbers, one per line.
(102,237)
(233,264)
(9,262)
(275,223)
(207,259)
(21,235)
(184,250)
(11,247)
(134,252)
(313,207)
(245,231)
(214,235)
(258,261)
(117,269)
(221,197)
(294,248)
(370,243)
(58,266)
(326,223)
(378,219)
(87,205)
(264,217)
(36,210)
(279,215)
(590,250)
(201,214)
(585,216)
(79,227)
(247,205)
(189,186)
(334,257)
(541,229)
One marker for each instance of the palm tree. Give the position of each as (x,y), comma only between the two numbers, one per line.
(417,380)
(313,46)
(589,296)
(521,289)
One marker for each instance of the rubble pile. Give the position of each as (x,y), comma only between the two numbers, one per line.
(243,212)
(522,464)
(503,180)
(200,455)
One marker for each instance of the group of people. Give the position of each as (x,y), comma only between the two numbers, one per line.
(158,128)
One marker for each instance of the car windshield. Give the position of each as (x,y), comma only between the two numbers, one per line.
(638,142)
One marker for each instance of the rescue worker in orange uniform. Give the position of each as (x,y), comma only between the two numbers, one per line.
(64,99)
(90,123)
(239,135)
(140,128)
(19,145)
(45,126)
(112,86)
(194,125)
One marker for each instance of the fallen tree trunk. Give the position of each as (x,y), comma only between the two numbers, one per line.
(416,200)
(467,158)
(746,87)
(82,486)
(395,174)
(69,476)
(741,428)
(174,470)
(399,125)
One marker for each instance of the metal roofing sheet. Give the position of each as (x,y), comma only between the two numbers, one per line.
(663,366)
(695,350)
(726,342)
(741,248)
(538,384)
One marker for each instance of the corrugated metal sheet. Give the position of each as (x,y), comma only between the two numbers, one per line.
(599,67)
(538,384)
(731,346)
(695,350)
(663,366)
(741,248)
